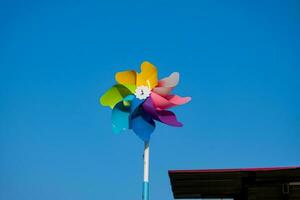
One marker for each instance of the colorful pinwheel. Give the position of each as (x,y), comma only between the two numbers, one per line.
(139,99)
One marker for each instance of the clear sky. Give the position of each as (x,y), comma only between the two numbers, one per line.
(239,62)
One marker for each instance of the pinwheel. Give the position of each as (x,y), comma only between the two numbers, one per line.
(138,100)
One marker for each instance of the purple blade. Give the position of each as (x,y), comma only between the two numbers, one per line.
(164,116)
(168,117)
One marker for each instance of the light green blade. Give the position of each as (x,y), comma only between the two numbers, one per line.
(116,94)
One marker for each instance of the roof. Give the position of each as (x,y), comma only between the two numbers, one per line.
(260,183)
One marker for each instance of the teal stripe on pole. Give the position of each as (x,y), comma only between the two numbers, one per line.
(146,191)
(146,172)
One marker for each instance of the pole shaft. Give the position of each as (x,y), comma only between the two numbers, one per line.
(146,172)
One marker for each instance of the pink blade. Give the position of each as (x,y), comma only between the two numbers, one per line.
(162,103)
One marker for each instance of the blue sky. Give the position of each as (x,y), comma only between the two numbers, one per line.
(238,60)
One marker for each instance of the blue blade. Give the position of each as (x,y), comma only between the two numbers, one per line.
(142,124)
(135,103)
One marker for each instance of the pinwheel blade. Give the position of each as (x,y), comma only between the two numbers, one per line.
(148,75)
(170,81)
(165,102)
(143,125)
(120,117)
(166,85)
(163,91)
(134,105)
(116,94)
(164,116)
(126,77)
(168,117)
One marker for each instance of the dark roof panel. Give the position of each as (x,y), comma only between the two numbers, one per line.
(260,183)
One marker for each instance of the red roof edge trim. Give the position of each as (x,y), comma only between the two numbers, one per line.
(234,170)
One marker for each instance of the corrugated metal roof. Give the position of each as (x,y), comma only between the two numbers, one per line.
(243,183)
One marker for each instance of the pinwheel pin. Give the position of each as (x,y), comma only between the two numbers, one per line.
(138,100)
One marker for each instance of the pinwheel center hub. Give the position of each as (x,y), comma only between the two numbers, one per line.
(142,92)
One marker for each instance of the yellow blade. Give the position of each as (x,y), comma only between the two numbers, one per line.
(148,75)
(126,77)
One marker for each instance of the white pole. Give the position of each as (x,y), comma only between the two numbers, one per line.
(146,172)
